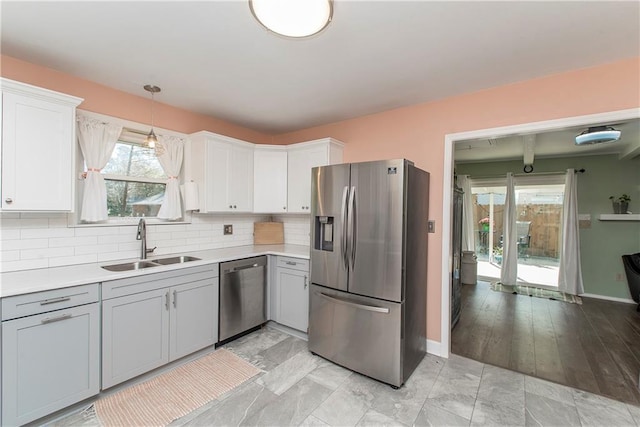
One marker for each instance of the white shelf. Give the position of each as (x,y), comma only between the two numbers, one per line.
(619,217)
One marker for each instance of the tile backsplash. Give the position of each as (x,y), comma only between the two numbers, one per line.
(40,240)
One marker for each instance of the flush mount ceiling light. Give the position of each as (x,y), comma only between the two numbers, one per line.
(151,140)
(293,18)
(598,135)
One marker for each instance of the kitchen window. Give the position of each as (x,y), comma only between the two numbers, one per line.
(134,179)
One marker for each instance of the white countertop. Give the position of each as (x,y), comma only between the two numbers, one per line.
(28,281)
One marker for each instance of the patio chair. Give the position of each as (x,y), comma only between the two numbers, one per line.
(523,231)
(632,270)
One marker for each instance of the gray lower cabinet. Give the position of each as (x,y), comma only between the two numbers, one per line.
(50,356)
(292,293)
(150,320)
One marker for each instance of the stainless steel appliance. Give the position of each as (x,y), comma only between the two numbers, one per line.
(369,267)
(243,287)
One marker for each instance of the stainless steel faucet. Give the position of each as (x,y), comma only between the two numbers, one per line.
(142,236)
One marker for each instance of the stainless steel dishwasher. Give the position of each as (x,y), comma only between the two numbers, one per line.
(243,290)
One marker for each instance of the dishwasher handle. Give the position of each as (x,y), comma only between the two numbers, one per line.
(242,267)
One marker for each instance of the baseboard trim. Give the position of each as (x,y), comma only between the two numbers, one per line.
(596,296)
(434,347)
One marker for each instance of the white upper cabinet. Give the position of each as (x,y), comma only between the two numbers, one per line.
(223,169)
(269,179)
(38,148)
(302,158)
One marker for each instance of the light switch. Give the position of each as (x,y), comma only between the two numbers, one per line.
(431,226)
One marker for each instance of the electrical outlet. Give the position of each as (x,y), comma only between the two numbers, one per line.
(228,229)
(619,277)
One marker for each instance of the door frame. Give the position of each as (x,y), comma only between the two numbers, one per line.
(447,193)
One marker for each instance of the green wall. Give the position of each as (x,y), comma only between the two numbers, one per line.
(604,242)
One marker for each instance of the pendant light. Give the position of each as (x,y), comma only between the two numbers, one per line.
(151,140)
(293,18)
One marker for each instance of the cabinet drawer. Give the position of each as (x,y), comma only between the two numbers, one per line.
(293,263)
(42,302)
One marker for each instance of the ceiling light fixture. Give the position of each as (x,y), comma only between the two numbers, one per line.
(598,135)
(293,18)
(151,140)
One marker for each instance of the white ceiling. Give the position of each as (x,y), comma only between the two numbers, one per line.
(212,57)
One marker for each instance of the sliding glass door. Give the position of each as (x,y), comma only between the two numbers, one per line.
(538,226)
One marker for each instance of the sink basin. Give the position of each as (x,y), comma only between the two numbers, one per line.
(175,260)
(128,266)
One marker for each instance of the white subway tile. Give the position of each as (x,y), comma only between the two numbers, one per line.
(94,249)
(45,253)
(72,241)
(9,245)
(34,223)
(9,215)
(10,234)
(45,233)
(94,231)
(6,256)
(129,246)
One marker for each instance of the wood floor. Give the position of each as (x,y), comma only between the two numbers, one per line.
(594,346)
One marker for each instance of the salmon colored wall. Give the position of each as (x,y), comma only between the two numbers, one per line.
(418,132)
(112,102)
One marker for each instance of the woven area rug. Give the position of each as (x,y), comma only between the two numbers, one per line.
(536,292)
(175,393)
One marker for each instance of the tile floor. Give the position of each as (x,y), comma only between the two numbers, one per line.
(298,388)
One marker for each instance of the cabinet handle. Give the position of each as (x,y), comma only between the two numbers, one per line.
(54,300)
(306,282)
(291,263)
(175,299)
(56,319)
(8,200)
(166,300)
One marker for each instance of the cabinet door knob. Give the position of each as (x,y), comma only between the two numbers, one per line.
(284,207)
(8,200)
(230,206)
(234,206)
(306,282)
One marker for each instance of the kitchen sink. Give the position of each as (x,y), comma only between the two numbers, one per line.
(175,260)
(128,266)
(138,265)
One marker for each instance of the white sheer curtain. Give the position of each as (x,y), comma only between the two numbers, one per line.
(509,270)
(170,154)
(570,274)
(96,140)
(468,237)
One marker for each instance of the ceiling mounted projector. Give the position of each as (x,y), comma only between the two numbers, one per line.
(598,135)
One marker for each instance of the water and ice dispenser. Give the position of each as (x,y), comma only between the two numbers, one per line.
(324,233)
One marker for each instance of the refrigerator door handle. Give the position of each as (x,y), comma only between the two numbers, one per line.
(343,239)
(353,304)
(353,226)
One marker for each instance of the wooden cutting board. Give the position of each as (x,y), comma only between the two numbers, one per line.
(268,233)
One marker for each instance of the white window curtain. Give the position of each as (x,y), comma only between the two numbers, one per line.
(468,234)
(170,154)
(570,274)
(509,270)
(97,140)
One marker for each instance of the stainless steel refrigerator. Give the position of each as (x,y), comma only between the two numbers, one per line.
(369,267)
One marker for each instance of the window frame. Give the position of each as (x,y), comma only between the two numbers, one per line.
(73,219)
